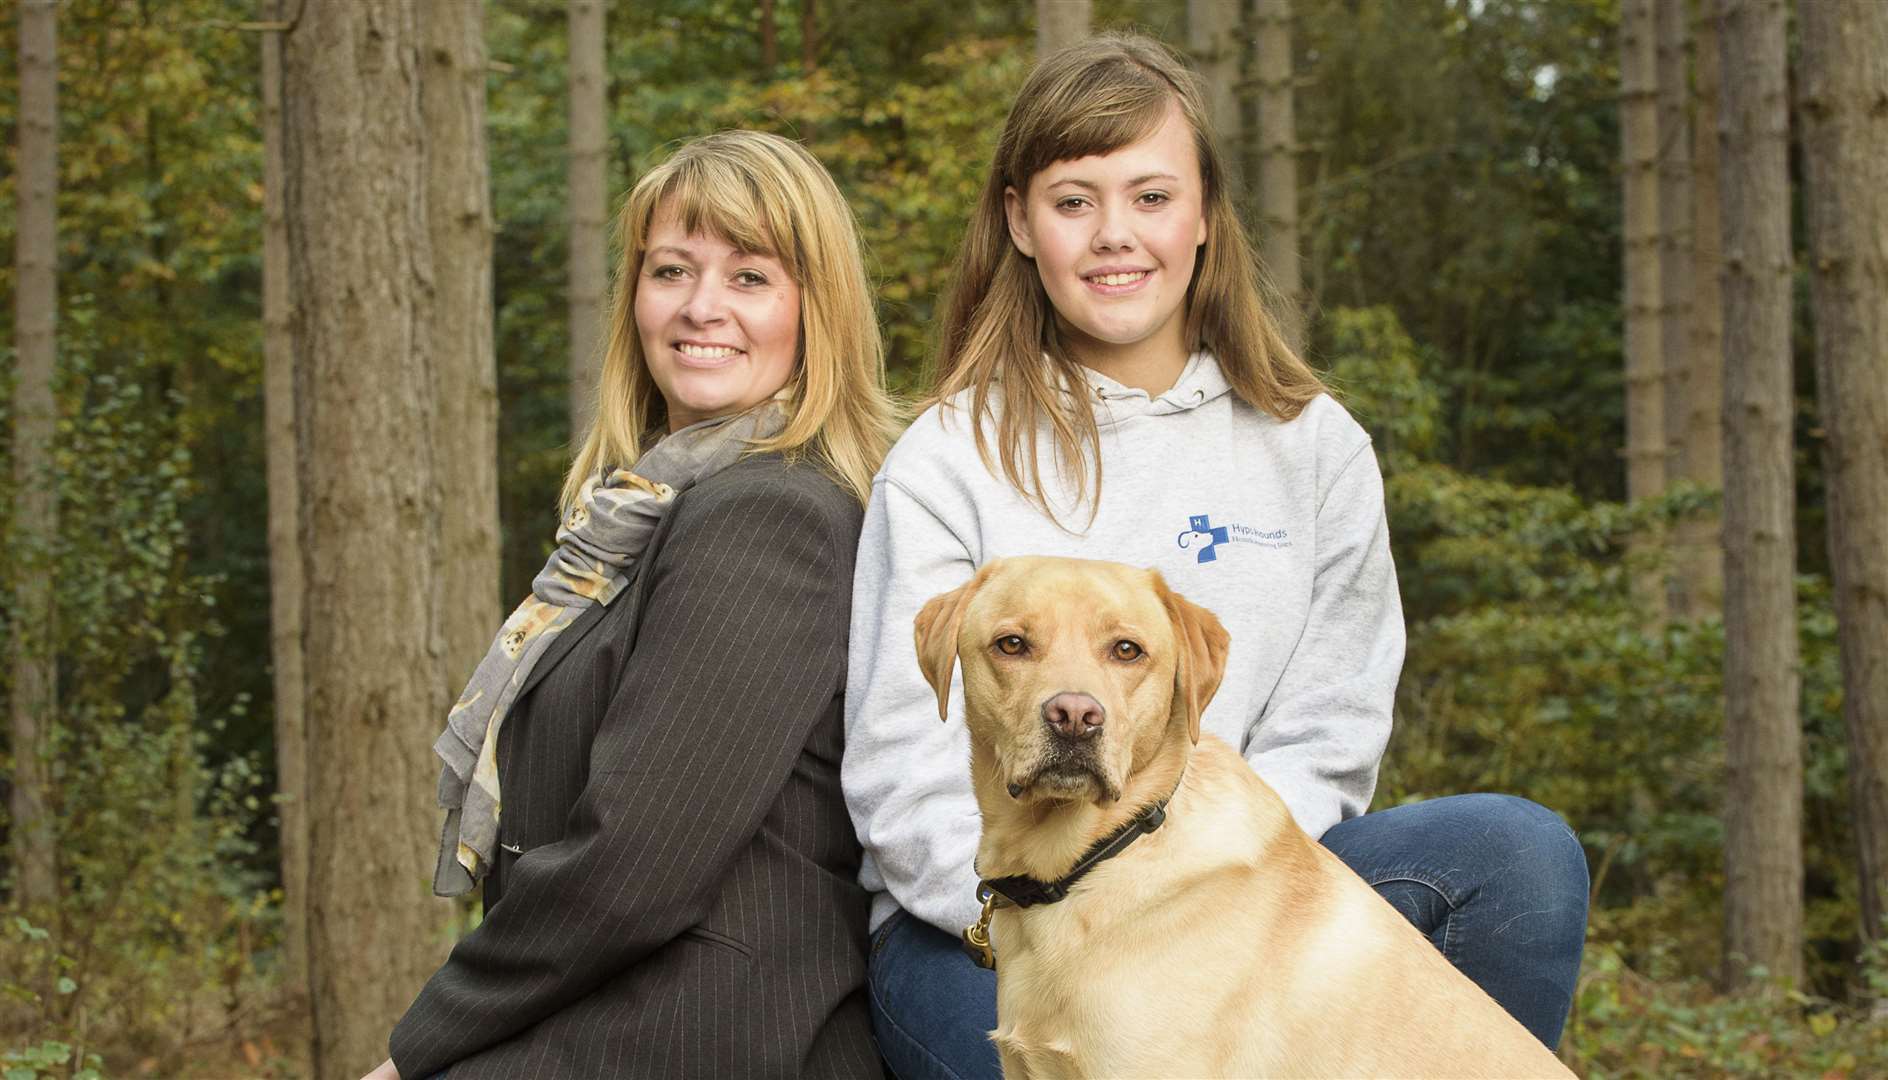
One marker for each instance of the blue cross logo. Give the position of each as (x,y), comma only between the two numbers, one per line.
(1201,533)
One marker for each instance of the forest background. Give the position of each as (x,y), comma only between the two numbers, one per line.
(1459,175)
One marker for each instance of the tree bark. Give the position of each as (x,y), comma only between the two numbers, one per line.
(1674,254)
(1061,23)
(1278,165)
(361,259)
(285,554)
(1700,551)
(1645,370)
(1213,39)
(465,377)
(588,270)
(769,43)
(809,37)
(1844,110)
(1763,851)
(34,699)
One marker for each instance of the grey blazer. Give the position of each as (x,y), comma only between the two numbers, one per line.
(676,893)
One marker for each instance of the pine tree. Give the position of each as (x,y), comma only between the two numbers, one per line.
(1675,246)
(33,694)
(1278,165)
(285,552)
(1700,554)
(1763,842)
(389,240)
(588,272)
(1844,109)
(1061,23)
(1645,371)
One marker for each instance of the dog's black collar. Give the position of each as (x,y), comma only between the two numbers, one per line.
(1024,891)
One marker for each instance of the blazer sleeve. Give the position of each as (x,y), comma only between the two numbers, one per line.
(741,650)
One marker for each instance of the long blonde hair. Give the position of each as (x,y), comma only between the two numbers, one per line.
(764,194)
(1095,98)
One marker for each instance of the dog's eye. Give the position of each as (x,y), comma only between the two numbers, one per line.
(1125,650)
(1011,645)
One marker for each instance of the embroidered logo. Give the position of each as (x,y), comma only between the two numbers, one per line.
(1201,535)
(1204,537)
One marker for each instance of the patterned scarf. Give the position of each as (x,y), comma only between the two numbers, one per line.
(598,545)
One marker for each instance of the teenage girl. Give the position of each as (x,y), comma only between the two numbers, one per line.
(1110,387)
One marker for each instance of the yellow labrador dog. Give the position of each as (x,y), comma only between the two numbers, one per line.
(1203,933)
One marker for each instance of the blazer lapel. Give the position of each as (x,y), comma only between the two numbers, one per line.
(565,640)
(636,593)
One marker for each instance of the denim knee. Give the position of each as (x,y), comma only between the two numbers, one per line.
(1530,830)
(1546,859)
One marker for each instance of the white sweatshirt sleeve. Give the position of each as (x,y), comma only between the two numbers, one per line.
(905,772)
(1320,736)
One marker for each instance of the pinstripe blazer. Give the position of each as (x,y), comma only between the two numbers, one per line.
(676,893)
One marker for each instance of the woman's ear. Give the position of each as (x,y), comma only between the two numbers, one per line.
(1018,217)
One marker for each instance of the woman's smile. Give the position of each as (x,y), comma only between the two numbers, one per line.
(695,354)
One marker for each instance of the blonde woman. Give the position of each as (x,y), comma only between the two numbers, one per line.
(670,889)
(1110,387)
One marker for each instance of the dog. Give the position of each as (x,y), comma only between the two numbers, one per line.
(1217,938)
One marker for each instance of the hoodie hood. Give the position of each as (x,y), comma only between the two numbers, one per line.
(1200,381)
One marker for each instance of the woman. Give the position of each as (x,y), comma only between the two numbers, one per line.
(670,888)
(1111,388)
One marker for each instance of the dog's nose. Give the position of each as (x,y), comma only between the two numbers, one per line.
(1073,716)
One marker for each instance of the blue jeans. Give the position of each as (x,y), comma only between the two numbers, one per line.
(1499,884)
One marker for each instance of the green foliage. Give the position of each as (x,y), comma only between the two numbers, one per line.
(1625,1025)
(51,1060)
(1530,671)
(161,916)
(1479,202)
(1377,371)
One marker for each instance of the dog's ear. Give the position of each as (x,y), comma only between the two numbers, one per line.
(1200,645)
(936,628)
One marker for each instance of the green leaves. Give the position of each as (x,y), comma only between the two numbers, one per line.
(1625,1025)
(50,1059)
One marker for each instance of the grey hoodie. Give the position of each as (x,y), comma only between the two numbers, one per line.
(1277,527)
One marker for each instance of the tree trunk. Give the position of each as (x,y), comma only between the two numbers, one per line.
(1763,849)
(1700,554)
(809,37)
(1674,252)
(361,259)
(1060,23)
(769,44)
(589,271)
(465,377)
(1213,39)
(1278,165)
(285,553)
(34,697)
(1645,370)
(1845,156)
